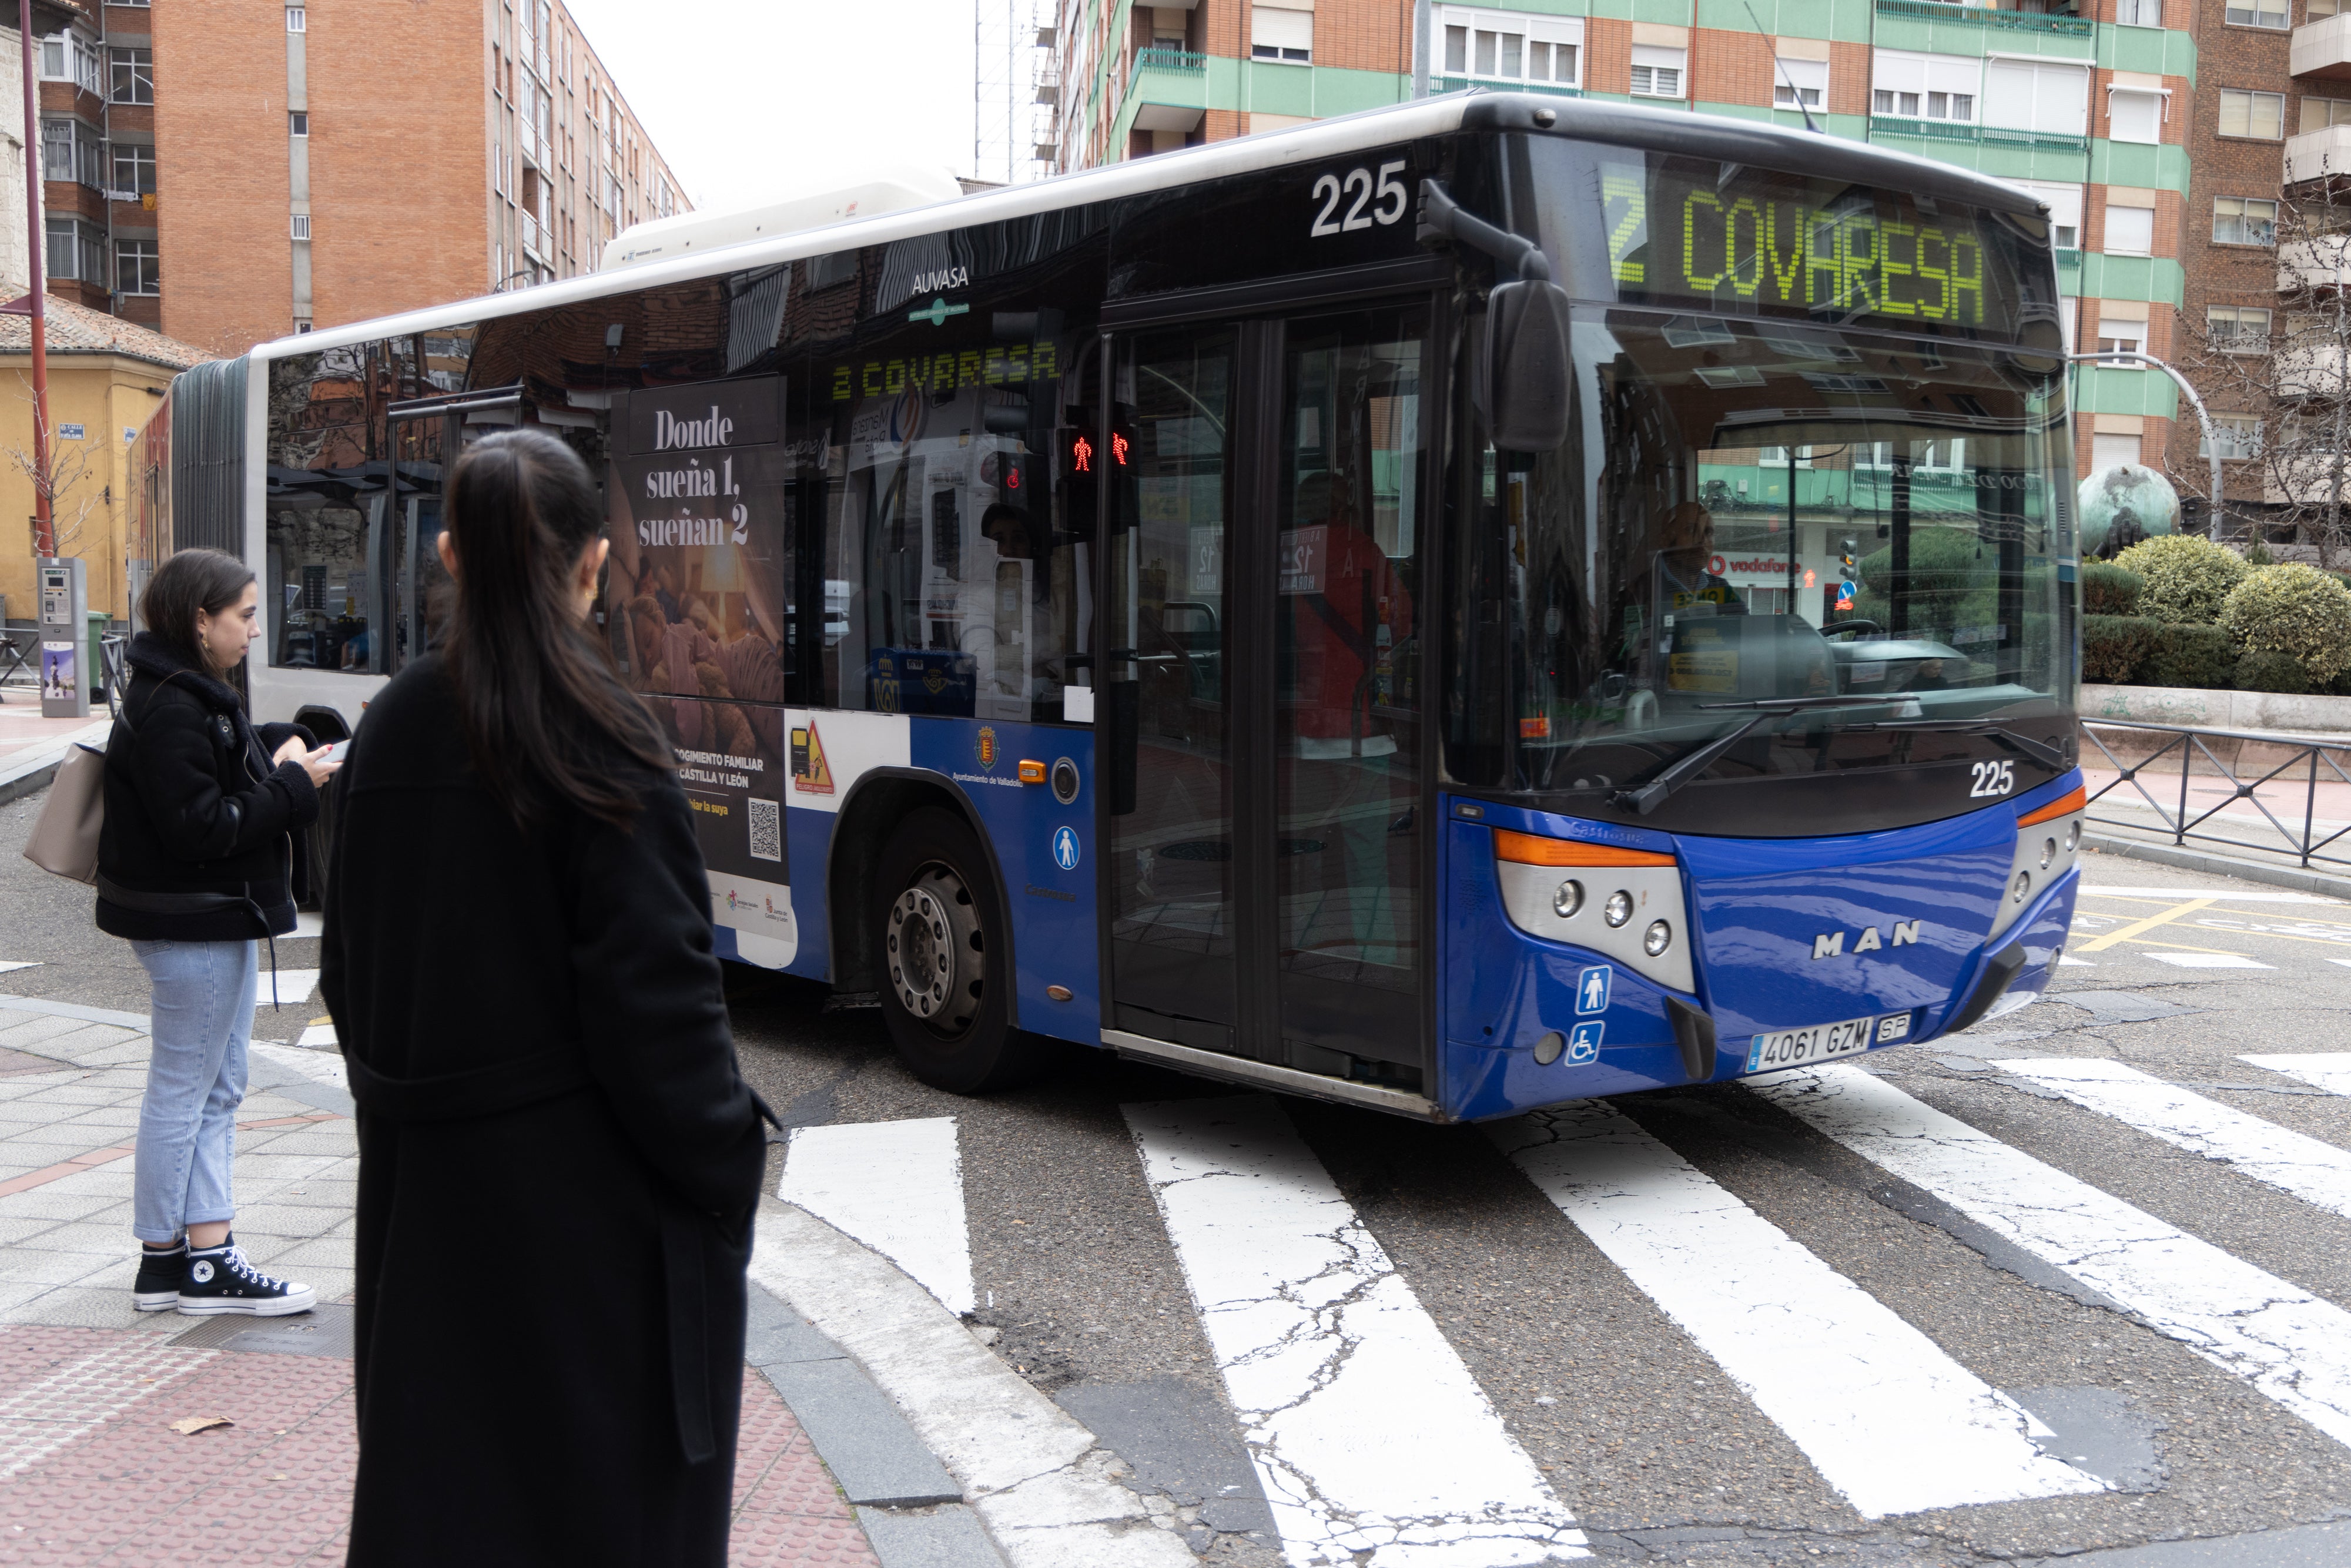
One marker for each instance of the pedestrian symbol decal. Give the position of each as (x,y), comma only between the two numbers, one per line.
(1583,1045)
(1592,989)
(1065,848)
(810,774)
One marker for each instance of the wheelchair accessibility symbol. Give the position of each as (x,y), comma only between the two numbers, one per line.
(1065,848)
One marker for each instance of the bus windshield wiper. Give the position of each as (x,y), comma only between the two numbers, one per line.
(1650,796)
(2039,751)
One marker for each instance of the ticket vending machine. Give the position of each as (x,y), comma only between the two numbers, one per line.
(64,640)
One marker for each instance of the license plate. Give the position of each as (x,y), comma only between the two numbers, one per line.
(1795,1046)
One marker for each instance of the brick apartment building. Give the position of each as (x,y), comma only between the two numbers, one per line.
(2153,128)
(231,171)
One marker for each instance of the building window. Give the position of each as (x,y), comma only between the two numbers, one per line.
(69,56)
(76,252)
(1510,47)
(136,269)
(2139,13)
(1799,83)
(2036,95)
(2134,116)
(131,76)
(2318,113)
(2064,211)
(2258,115)
(1278,34)
(301,226)
(2244,220)
(298,19)
(2239,436)
(2130,231)
(134,172)
(2111,451)
(2122,338)
(2276,14)
(1658,72)
(2237,329)
(71,151)
(1924,86)
(298,122)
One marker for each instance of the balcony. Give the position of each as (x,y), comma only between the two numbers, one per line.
(1882,127)
(1458,84)
(2322,263)
(1170,90)
(2319,154)
(2323,48)
(2317,370)
(2048,24)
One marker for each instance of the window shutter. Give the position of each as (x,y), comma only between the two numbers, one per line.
(2134,116)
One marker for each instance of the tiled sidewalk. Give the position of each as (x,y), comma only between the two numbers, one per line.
(91,1469)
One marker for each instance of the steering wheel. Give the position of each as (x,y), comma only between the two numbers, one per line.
(1842,627)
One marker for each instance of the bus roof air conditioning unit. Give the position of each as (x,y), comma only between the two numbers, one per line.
(869,194)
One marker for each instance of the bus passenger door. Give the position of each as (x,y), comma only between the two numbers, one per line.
(1264,873)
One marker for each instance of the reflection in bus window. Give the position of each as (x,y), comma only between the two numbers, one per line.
(323,480)
(953,540)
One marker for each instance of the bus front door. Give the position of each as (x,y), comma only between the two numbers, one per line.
(1265,822)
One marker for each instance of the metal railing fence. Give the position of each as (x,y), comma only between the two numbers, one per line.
(2292,764)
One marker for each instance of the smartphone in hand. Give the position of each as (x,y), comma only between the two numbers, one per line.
(337,752)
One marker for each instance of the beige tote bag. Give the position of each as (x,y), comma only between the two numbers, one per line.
(65,841)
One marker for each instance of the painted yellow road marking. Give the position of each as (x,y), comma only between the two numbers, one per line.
(2149,924)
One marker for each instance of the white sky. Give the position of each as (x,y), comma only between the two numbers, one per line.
(749,97)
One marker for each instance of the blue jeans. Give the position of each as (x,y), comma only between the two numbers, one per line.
(196,1081)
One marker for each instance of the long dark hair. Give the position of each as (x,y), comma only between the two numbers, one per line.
(542,704)
(209,580)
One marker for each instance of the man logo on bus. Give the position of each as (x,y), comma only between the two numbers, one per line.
(987,747)
(1830,944)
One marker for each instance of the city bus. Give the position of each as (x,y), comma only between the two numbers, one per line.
(1470,605)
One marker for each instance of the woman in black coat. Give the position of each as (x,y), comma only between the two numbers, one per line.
(196,860)
(558,1160)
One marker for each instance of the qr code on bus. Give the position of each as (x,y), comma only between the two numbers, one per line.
(766,829)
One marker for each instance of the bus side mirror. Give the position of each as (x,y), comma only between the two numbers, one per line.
(1527,365)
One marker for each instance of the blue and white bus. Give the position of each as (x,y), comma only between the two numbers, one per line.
(1459,608)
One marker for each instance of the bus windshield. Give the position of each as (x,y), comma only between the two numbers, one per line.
(1764,513)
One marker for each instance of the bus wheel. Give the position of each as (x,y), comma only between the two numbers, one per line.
(945,983)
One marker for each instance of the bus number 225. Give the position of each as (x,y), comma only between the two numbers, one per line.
(1394,200)
(1993,778)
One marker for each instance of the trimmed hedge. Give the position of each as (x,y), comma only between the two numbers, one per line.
(2271,673)
(2183,577)
(2114,647)
(2291,611)
(2108,590)
(2200,656)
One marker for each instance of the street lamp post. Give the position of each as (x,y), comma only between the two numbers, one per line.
(45,543)
(2119,357)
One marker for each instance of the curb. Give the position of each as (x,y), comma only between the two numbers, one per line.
(39,771)
(911,1511)
(2184,859)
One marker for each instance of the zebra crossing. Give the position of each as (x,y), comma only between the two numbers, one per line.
(1376,1443)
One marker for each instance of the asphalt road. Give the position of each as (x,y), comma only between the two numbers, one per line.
(1629,1414)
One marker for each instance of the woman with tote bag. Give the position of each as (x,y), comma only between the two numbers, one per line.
(195,862)
(520,963)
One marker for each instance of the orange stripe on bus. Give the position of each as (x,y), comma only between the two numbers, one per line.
(1528,849)
(2063,806)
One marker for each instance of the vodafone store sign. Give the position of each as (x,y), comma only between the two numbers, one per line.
(1737,567)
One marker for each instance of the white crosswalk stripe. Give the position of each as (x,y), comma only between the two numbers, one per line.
(1323,1346)
(2293,1161)
(2328,1070)
(2279,1338)
(1887,1417)
(897,1186)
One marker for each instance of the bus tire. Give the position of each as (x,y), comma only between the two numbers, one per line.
(946,986)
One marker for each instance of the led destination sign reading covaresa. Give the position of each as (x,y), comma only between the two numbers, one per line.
(1687,233)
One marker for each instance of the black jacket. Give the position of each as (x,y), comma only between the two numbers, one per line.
(550,1117)
(201,836)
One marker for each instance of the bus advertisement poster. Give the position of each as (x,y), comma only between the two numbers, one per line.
(735,787)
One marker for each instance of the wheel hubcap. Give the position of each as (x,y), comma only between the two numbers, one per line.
(937,963)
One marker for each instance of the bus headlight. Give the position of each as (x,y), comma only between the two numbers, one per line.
(2073,835)
(1618,909)
(1657,938)
(2048,853)
(2024,885)
(1568,900)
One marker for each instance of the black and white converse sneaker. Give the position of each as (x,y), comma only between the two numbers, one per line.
(160,1270)
(219,1279)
